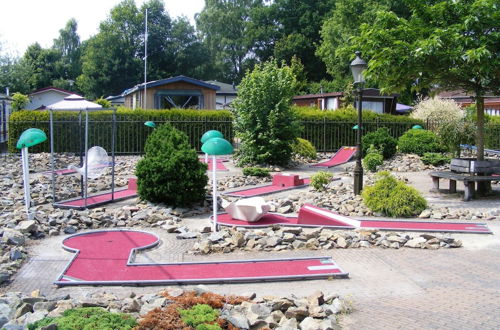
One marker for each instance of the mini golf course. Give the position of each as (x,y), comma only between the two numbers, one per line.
(107,258)
(281,182)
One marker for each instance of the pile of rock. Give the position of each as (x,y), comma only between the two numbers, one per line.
(293,238)
(318,311)
(409,163)
(461,214)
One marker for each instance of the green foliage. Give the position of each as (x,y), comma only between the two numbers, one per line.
(170,171)
(457,132)
(131,133)
(320,179)
(373,159)
(435,159)
(264,120)
(437,110)
(199,315)
(381,140)
(256,171)
(87,318)
(304,149)
(419,141)
(393,197)
(19,101)
(103,102)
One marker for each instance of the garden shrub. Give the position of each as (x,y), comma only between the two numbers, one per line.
(435,159)
(304,148)
(457,132)
(170,171)
(87,318)
(320,179)
(373,160)
(381,140)
(200,316)
(256,171)
(437,110)
(419,141)
(264,120)
(393,197)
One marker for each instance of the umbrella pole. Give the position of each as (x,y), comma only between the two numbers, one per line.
(214,193)
(26,178)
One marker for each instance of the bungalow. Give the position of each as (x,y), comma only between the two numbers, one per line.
(224,96)
(176,92)
(372,100)
(43,97)
(5,110)
(491,103)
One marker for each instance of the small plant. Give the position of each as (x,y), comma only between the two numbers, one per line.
(256,171)
(435,159)
(320,180)
(419,141)
(304,149)
(103,102)
(200,316)
(87,318)
(381,140)
(372,161)
(393,197)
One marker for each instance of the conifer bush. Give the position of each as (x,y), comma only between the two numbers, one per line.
(320,179)
(304,148)
(393,197)
(381,140)
(170,171)
(419,141)
(256,171)
(435,159)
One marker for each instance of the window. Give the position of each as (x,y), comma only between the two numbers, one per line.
(184,99)
(374,106)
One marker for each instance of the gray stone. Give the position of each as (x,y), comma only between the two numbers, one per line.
(237,320)
(131,305)
(288,324)
(27,226)
(70,230)
(23,309)
(44,305)
(35,316)
(415,242)
(216,236)
(341,242)
(15,254)
(187,235)
(298,313)
(14,237)
(316,299)
(157,303)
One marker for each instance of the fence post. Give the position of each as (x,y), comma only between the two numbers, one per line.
(324,134)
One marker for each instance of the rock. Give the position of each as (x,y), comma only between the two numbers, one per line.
(157,303)
(187,235)
(216,236)
(23,309)
(298,313)
(341,242)
(316,299)
(27,226)
(237,320)
(238,238)
(175,292)
(44,305)
(425,214)
(130,305)
(310,323)
(35,316)
(70,230)
(415,242)
(15,254)
(288,324)
(14,237)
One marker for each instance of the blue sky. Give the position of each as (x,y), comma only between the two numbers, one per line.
(25,22)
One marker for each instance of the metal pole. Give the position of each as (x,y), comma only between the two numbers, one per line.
(52,161)
(145,58)
(86,155)
(214,193)
(113,156)
(358,168)
(26,179)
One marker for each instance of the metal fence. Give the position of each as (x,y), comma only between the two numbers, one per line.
(4,119)
(325,135)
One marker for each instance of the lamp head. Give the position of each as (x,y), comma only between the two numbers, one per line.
(150,124)
(211,134)
(358,66)
(217,146)
(31,137)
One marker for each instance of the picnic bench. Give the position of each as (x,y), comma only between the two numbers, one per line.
(469,181)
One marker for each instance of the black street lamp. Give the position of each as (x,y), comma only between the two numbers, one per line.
(358,65)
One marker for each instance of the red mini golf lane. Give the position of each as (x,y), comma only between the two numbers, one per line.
(281,182)
(343,155)
(219,164)
(312,216)
(106,257)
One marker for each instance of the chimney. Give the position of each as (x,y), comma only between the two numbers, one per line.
(7,91)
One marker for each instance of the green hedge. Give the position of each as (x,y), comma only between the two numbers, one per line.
(131,132)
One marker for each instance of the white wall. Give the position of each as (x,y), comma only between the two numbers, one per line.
(45,98)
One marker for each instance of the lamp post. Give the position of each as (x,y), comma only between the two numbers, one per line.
(358,65)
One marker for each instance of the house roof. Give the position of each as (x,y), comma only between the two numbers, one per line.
(52,88)
(161,82)
(224,89)
(367,92)
(315,96)
(5,97)
(74,102)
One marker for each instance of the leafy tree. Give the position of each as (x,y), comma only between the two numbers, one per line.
(14,73)
(264,119)
(68,46)
(42,65)
(19,101)
(445,43)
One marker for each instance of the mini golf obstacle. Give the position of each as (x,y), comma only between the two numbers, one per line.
(107,258)
(343,155)
(100,198)
(312,216)
(281,182)
(219,164)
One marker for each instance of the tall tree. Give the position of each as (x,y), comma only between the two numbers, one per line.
(14,74)
(42,65)
(68,45)
(445,43)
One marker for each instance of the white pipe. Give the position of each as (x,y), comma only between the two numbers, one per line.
(26,179)
(206,158)
(214,193)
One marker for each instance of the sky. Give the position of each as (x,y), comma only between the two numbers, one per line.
(24,22)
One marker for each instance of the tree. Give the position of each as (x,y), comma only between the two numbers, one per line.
(14,73)
(446,43)
(264,120)
(19,101)
(42,65)
(68,46)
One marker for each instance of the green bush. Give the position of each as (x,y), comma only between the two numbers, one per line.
(264,120)
(256,171)
(393,197)
(170,171)
(457,132)
(320,179)
(373,160)
(435,159)
(419,141)
(87,318)
(304,149)
(381,140)
(199,316)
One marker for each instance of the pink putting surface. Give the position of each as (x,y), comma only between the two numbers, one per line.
(311,216)
(105,258)
(99,199)
(219,163)
(343,155)
(264,190)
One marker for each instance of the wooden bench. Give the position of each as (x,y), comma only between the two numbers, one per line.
(468,180)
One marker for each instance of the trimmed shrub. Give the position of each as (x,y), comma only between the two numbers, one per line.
(419,141)
(393,197)
(372,161)
(304,148)
(264,120)
(381,140)
(87,318)
(256,171)
(199,317)
(435,159)
(320,179)
(170,171)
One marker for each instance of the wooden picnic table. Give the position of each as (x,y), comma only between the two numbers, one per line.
(469,181)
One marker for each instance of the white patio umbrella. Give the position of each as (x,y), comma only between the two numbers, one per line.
(74,102)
